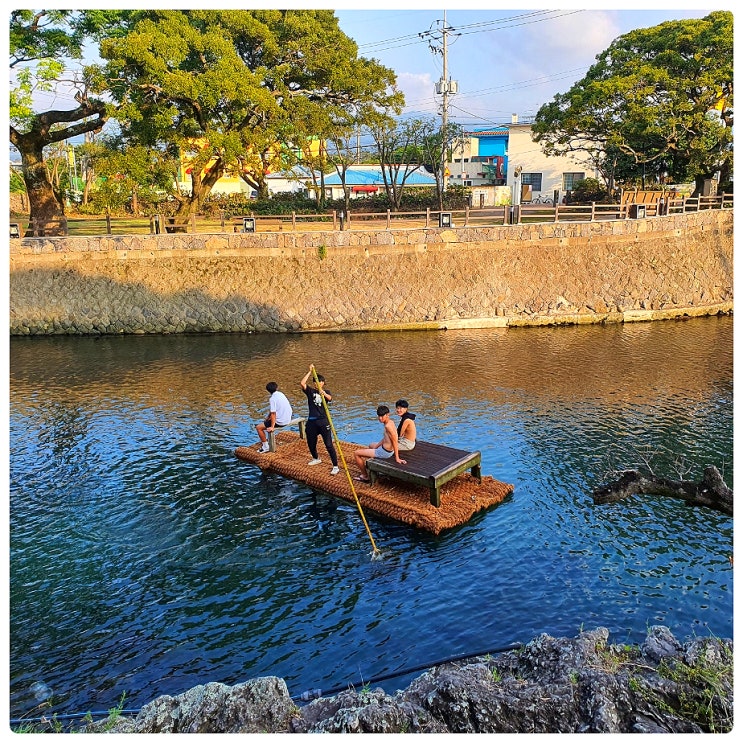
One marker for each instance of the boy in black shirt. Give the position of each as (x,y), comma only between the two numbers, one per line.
(317,420)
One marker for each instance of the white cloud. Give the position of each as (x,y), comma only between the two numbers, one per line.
(526,65)
(573,39)
(419,92)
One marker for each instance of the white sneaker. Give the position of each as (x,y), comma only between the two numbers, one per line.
(334,471)
(264,448)
(315,461)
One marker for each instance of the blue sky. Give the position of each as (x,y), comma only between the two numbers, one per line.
(504,61)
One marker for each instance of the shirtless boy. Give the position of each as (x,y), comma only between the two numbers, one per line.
(383,449)
(406,427)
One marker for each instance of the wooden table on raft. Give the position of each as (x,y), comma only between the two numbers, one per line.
(430,465)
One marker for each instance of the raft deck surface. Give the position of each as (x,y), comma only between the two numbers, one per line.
(429,465)
(409,503)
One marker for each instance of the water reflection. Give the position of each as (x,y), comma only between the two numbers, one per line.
(159,561)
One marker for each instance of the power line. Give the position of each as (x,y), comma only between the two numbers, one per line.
(524,23)
(512,86)
(523,19)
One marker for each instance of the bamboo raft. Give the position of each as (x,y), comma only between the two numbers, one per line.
(461,497)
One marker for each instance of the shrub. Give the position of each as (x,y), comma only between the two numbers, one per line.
(413,200)
(588,190)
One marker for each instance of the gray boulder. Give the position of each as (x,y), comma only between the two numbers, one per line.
(550,685)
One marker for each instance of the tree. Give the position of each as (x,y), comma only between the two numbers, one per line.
(398,147)
(40,42)
(126,176)
(344,133)
(436,147)
(659,95)
(234,88)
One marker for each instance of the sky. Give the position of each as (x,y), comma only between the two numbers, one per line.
(509,61)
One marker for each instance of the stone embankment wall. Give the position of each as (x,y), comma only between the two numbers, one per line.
(562,273)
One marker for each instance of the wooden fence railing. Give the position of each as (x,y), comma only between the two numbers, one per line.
(481,217)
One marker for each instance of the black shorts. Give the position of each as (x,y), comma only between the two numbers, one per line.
(267,424)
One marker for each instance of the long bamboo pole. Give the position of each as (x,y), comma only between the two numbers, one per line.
(376,551)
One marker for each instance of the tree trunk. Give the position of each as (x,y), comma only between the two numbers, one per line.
(710,491)
(201,186)
(321,195)
(89,178)
(46,209)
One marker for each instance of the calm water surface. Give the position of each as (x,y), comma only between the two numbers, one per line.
(146,558)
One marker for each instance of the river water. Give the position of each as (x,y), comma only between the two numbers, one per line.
(147,559)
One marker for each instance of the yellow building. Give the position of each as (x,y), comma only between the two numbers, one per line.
(231,182)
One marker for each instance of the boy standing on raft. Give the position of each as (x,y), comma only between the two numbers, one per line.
(317,420)
(383,449)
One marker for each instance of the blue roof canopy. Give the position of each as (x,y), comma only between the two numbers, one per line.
(374,178)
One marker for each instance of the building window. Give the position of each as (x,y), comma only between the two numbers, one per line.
(570,179)
(532,179)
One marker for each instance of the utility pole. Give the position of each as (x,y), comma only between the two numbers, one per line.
(445,103)
(445,87)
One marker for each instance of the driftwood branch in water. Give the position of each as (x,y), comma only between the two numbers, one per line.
(710,491)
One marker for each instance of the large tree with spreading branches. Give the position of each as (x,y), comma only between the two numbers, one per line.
(46,47)
(656,95)
(234,89)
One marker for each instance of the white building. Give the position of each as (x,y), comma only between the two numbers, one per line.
(481,160)
(540,176)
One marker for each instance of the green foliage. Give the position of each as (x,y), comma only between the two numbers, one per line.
(662,94)
(53,724)
(708,687)
(615,657)
(232,205)
(411,142)
(128,177)
(589,190)
(413,200)
(225,86)
(113,715)
(39,41)
(17,184)
(42,45)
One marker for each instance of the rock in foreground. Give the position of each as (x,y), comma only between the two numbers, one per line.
(550,685)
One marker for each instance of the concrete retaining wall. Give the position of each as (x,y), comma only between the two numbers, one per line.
(411,278)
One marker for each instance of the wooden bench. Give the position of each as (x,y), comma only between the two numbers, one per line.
(301,422)
(429,465)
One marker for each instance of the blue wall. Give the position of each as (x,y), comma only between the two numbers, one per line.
(493,144)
